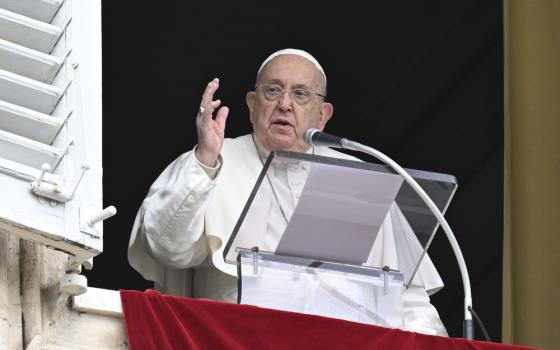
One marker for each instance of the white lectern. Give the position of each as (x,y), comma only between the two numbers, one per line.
(315,251)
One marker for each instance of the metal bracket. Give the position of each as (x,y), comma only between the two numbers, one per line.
(84,227)
(386,270)
(57,191)
(88,225)
(255,251)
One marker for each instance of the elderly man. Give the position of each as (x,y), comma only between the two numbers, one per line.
(191,209)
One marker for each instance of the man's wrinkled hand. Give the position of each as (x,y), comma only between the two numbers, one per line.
(209,130)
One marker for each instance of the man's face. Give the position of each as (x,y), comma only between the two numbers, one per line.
(279,124)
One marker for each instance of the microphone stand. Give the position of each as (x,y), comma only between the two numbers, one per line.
(468,327)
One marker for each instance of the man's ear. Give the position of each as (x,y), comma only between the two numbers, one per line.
(326,113)
(250,100)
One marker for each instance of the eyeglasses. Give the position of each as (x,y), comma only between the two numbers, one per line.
(301,96)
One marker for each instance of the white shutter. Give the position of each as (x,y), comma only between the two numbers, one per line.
(50,118)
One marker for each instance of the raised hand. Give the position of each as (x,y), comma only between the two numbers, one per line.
(210,131)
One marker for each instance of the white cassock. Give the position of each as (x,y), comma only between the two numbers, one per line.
(190,211)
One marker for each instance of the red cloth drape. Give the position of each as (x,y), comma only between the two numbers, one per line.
(156,321)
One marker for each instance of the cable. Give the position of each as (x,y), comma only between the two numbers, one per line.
(480,324)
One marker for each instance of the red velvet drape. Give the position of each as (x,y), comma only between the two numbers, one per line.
(156,321)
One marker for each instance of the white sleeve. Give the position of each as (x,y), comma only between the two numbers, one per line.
(170,224)
(419,314)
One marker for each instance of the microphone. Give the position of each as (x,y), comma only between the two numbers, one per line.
(315,137)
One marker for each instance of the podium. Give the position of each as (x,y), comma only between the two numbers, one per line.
(334,237)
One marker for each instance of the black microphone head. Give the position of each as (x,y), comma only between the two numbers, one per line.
(308,135)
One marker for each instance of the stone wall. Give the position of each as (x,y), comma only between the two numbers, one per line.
(34,314)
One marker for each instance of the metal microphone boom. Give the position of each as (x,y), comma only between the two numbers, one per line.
(315,137)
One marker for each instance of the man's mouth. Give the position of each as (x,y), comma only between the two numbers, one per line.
(281,122)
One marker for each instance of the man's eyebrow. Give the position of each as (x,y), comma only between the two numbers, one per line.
(300,86)
(279,82)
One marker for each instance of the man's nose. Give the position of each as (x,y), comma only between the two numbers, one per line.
(285,102)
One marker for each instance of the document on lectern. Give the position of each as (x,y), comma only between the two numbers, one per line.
(339,214)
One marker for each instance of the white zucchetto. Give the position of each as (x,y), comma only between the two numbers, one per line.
(296,52)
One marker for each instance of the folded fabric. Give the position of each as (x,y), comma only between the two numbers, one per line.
(156,321)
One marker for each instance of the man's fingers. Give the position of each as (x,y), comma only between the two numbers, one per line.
(207,106)
(210,132)
(215,104)
(221,117)
(209,92)
(206,112)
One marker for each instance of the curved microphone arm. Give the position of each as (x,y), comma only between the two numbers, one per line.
(468,330)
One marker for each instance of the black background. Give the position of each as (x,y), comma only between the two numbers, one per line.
(419,80)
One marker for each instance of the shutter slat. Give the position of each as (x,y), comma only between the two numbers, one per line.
(41,10)
(29,123)
(28,32)
(28,93)
(27,62)
(28,152)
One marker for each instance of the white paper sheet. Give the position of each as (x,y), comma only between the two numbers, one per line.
(339,214)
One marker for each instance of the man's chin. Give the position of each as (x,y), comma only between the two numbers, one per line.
(282,142)
(287,145)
